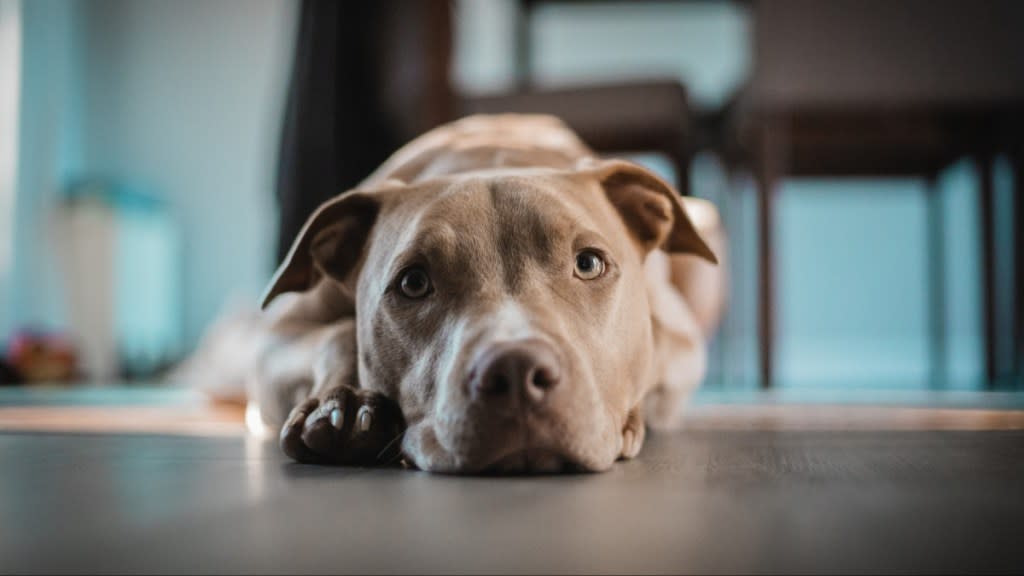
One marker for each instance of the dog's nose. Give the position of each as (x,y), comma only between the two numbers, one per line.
(526,369)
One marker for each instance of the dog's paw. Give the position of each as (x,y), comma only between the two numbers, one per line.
(633,434)
(344,426)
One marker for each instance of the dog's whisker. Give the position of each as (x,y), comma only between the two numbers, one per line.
(389,444)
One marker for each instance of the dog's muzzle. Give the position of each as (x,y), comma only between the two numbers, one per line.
(515,375)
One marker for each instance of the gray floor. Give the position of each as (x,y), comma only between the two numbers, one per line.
(698,501)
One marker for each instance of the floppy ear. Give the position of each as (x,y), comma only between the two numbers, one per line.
(650,208)
(330,244)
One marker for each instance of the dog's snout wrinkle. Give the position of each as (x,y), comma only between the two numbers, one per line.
(516,371)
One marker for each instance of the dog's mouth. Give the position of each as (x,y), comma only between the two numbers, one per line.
(533,461)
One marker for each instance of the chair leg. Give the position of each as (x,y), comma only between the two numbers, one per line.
(936,254)
(682,164)
(766,316)
(771,166)
(988,285)
(523,47)
(1018,267)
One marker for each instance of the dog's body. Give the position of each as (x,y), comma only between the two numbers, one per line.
(493,297)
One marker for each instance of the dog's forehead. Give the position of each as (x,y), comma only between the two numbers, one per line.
(510,204)
(497,228)
(501,198)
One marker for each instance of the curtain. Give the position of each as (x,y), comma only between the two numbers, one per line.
(367,76)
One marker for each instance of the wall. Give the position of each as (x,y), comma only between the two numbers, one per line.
(182,100)
(48,150)
(186,98)
(10,92)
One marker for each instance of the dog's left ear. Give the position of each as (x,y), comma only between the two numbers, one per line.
(650,207)
(330,244)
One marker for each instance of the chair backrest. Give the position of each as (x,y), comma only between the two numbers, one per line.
(649,117)
(636,116)
(888,51)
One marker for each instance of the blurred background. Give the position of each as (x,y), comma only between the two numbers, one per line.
(156,157)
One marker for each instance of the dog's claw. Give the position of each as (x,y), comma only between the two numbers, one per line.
(365,418)
(633,434)
(337,418)
(344,426)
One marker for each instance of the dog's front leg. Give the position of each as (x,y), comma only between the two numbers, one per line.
(334,420)
(343,424)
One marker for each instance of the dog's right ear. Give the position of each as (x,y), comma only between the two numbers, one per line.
(330,244)
(649,206)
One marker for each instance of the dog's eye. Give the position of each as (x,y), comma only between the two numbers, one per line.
(589,265)
(414,283)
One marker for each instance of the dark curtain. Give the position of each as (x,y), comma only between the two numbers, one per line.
(367,76)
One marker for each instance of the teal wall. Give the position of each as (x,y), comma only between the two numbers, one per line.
(49,151)
(187,98)
(181,99)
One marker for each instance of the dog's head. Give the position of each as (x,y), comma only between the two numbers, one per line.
(506,312)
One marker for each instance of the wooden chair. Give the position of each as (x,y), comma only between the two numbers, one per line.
(873,88)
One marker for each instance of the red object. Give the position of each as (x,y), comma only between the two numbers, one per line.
(40,357)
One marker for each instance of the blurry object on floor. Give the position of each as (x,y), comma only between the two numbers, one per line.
(39,357)
(120,254)
(230,348)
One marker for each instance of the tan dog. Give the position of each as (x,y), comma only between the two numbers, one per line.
(492,298)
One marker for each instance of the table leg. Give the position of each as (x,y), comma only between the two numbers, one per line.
(769,171)
(936,254)
(988,285)
(1018,267)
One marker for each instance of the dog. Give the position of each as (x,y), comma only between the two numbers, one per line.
(494,298)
